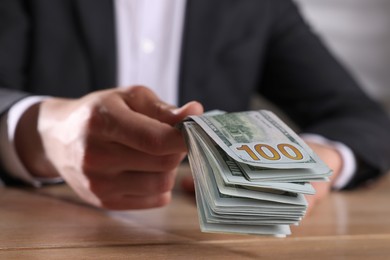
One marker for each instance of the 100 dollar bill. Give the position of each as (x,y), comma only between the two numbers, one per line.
(258,138)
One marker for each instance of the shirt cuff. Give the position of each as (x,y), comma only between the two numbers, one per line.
(349,161)
(9,156)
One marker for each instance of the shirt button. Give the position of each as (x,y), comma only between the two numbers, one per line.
(147,46)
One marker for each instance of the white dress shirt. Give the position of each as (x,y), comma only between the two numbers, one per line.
(149,34)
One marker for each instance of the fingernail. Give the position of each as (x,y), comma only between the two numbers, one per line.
(176,111)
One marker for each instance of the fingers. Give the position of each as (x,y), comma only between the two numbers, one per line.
(322,190)
(133,190)
(187,184)
(112,120)
(132,184)
(147,135)
(108,158)
(116,149)
(146,202)
(139,120)
(310,203)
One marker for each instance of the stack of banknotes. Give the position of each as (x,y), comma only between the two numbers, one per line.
(251,172)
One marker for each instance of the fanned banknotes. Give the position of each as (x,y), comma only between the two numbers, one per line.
(251,172)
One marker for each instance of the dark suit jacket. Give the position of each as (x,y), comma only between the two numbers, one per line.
(231,49)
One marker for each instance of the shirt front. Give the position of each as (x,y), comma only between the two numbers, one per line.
(149,34)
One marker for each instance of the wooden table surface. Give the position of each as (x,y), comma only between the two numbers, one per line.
(53,223)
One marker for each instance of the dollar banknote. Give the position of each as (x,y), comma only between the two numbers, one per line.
(251,172)
(258,138)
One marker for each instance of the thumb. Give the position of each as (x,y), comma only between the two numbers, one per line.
(145,101)
(190,108)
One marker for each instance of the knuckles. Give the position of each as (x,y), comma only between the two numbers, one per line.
(96,111)
(169,162)
(164,183)
(157,183)
(157,142)
(138,91)
(98,120)
(153,142)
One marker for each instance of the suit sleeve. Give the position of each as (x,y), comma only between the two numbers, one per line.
(314,90)
(14,44)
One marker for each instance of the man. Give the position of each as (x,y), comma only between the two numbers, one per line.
(117,147)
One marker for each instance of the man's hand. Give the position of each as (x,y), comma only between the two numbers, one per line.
(333,159)
(117,149)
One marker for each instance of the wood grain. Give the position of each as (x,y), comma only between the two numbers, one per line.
(54,223)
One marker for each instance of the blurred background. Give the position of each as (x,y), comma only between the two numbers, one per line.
(358,33)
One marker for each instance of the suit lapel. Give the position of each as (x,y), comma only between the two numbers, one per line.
(199,30)
(96,22)
(215,53)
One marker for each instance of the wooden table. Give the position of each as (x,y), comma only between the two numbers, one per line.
(52,223)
